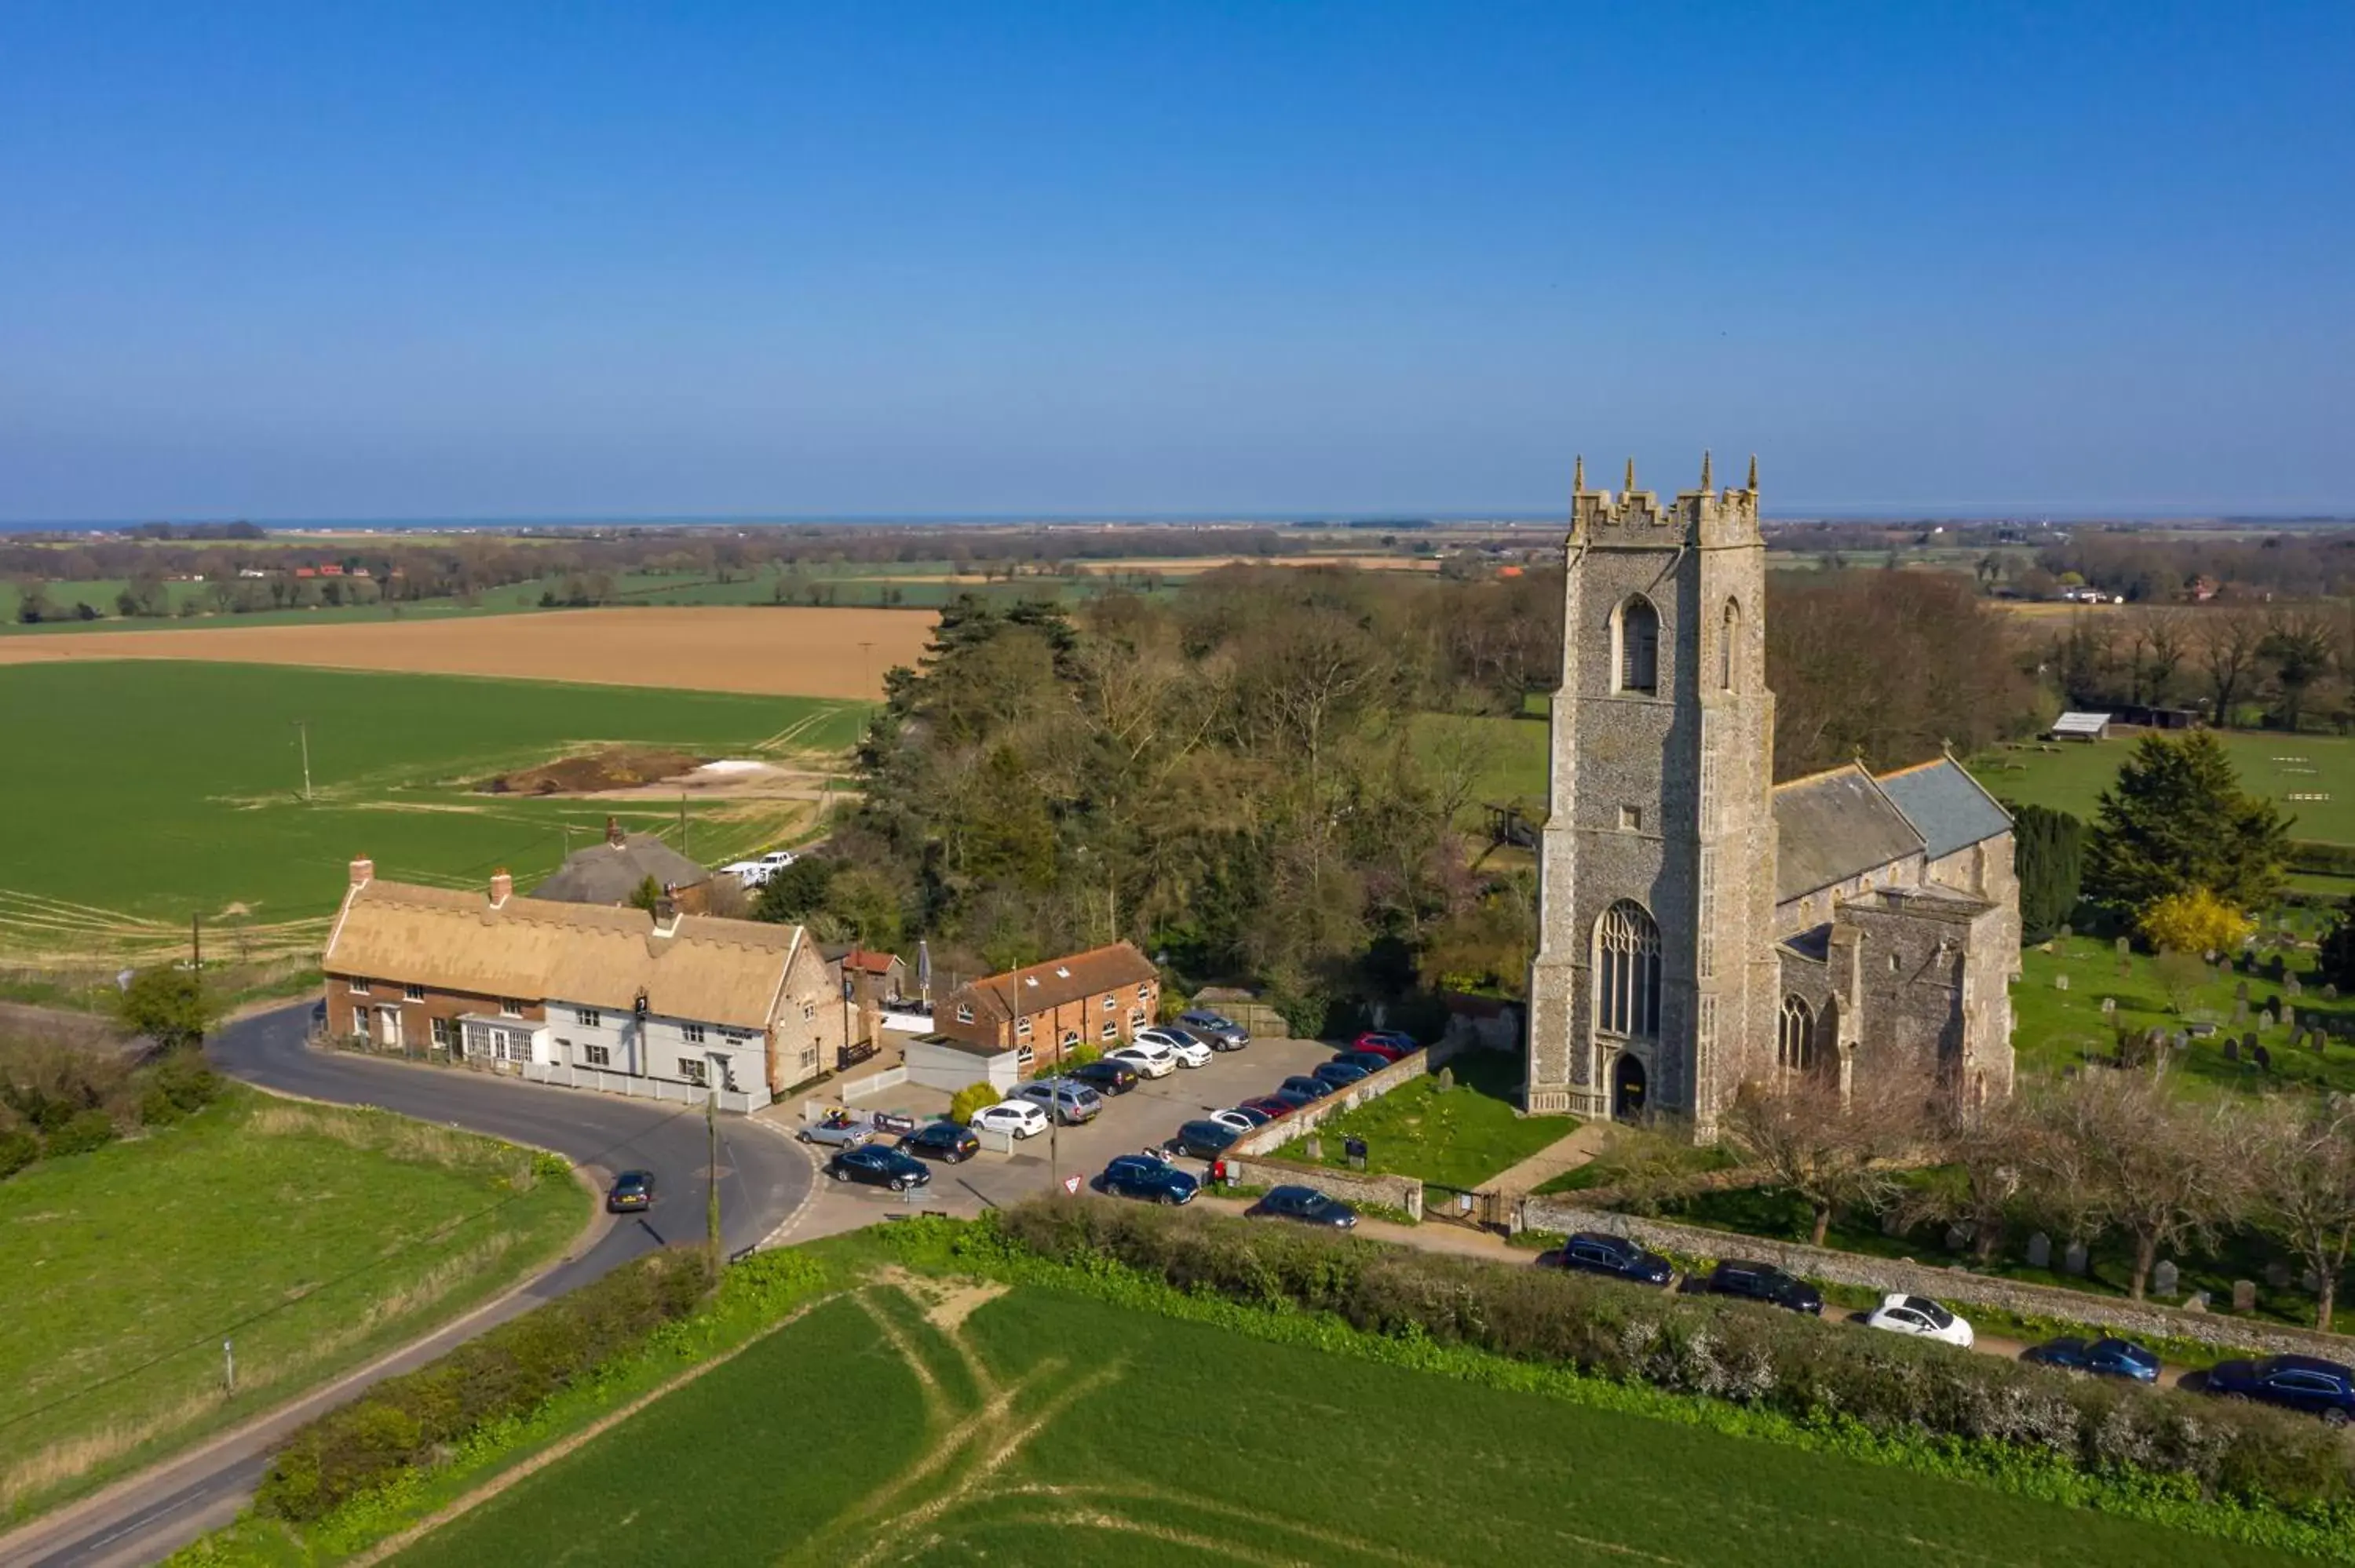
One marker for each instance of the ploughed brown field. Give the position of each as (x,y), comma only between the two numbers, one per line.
(797,652)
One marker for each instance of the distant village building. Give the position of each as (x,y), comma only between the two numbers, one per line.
(1038,1014)
(614,869)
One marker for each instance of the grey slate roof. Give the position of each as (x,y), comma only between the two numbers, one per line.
(1833,826)
(1945,805)
(606,873)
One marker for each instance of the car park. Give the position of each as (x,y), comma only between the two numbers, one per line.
(1104,1076)
(1615,1257)
(1018,1119)
(1270,1107)
(631,1192)
(1066,1101)
(1222,1032)
(1155,1181)
(1204,1139)
(1764,1282)
(879,1167)
(1302,1084)
(2102,1358)
(1371,1061)
(1305,1207)
(837,1130)
(2305,1383)
(1150,1058)
(1188,1050)
(1920,1316)
(1340,1074)
(1242,1120)
(943,1141)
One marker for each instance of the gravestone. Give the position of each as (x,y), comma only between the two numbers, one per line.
(2074,1260)
(2240,1013)
(2061,982)
(2289,984)
(2249,1041)
(2241,991)
(2264,1057)
(2266,1020)
(2164,1279)
(2315,1040)
(2244,1296)
(2196,1302)
(2330,993)
(1314,1148)
(2232,1050)
(2040,1251)
(2109,1006)
(1957,1238)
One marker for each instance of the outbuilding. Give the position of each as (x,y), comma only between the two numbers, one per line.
(945,1063)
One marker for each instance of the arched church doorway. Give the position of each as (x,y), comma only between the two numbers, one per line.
(1628,1087)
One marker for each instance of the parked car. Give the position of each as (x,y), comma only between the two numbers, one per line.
(1304,1205)
(1223,1032)
(1291,1099)
(1068,1102)
(1371,1061)
(1019,1118)
(1150,1058)
(2102,1358)
(2307,1384)
(1338,1073)
(1241,1117)
(943,1141)
(756,871)
(1204,1139)
(1104,1075)
(1592,1252)
(1190,1051)
(1302,1084)
(1764,1282)
(1920,1316)
(879,1167)
(1386,1043)
(837,1130)
(1270,1107)
(630,1191)
(1155,1181)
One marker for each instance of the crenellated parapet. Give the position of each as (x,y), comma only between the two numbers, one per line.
(1635,517)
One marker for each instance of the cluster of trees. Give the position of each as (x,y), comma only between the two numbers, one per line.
(65,1091)
(2152,567)
(2179,851)
(2291,663)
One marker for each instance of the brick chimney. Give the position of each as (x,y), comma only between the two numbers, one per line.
(362,872)
(614,834)
(666,915)
(502,887)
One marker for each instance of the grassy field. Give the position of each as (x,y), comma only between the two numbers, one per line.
(144,793)
(1047,1428)
(315,1236)
(2071,776)
(1459,1138)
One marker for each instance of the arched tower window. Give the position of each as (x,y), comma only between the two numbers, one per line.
(1637,660)
(1628,972)
(1729,649)
(1795,1047)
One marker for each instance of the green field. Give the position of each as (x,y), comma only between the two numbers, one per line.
(1459,1138)
(315,1236)
(2071,775)
(1045,1428)
(142,793)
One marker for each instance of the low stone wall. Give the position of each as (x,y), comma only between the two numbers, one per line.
(1953,1284)
(1350,1186)
(1274,1135)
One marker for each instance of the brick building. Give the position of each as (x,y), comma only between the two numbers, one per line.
(1099,997)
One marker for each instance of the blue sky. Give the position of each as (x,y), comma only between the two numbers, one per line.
(484,259)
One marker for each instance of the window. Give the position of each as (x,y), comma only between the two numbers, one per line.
(1145,992)
(359,1021)
(597,1055)
(1795,1046)
(1729,645)
(809,1011)
(441,1033)
(1022,1028)
(1070,1038)
(510,1008)
(1111,1001)
(1024,1055)
(1706,955)
(695,1071)
(964,1012)
(1637,657)
(413,992)
(1627,975)
(588,1018)
(1708,783)
(1136,1018)
(1112,1028)
(357,987)
(693,1032)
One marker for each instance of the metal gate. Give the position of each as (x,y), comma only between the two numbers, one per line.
(1469,1207)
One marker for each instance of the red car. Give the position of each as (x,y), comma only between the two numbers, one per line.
(1385,1043)
(1268,1106)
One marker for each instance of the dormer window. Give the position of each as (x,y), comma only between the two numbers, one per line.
(964,1012)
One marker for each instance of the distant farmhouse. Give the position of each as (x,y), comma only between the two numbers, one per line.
(612,871)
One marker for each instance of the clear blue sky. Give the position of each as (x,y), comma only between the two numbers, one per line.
(479,260)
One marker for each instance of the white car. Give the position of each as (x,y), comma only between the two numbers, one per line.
(1921,1317)
(1019,1118)
(1151,1058)
(1189,1051)
(756,871)
(1233,1119)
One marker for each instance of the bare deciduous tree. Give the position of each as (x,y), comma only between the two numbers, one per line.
(1834,1154)
(1983,1157)
(2305,1179)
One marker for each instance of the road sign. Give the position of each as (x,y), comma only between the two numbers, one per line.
(1072,1184)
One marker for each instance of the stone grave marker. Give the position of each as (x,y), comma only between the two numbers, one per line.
(2196,1302)
(2277,1274)
(1314,1147)
(2241,991)
(2244,1296)
(2231,1049)
(2040,1251)
(2061,980)
(2165,1278)
(2262,1057)
(2074,1260)
(2330,993)
(1957,1238)
(2109,1006)
(2289,984)
(2240,1013)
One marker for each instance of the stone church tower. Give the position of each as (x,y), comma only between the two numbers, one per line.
(1655,980)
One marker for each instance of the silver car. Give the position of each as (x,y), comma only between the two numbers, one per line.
(1065,1099)
(837,1132)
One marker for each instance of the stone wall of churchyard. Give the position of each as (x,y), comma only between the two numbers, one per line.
(1274,1135)
(1950,1284)
(1350,1186)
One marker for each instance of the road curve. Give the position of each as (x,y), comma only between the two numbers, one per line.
(762,1180)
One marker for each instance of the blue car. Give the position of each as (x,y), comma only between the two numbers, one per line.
(1155,1181)
(1371,1061)
(2307,1384)
(1616,1257)
(2104,1358)
(1305,1207)
(880,1167)
(1204,1139)
(1302,1084)
(1340,1074)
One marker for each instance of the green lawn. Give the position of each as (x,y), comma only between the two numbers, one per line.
(1458,1138)
(315,1236)
(1049,1428)
(150,791)
(2071,775)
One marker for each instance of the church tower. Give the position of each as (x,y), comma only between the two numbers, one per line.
(1656,977)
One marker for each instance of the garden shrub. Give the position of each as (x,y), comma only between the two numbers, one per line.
(18,1149)
(82,1131)
(183,1079)
(970,1100)
(1081,1054)
(404,1420)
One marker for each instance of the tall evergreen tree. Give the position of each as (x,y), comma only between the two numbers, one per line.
(2177,819)
(2050,849)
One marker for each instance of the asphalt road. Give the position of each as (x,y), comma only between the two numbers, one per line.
(762,1180)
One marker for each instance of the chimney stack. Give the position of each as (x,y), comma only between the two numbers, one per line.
(666,915)
(614,834)
(502,887)
(362,872)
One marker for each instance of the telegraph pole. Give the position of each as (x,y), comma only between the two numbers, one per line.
(196,943)
(711,1178)
(302,727)
(867,666)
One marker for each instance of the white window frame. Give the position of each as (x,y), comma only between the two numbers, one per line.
(412,993)
(1145,991)
(441,1033)
(964,1012)
(510,1007)
(693,1032)
(356,987)
(597,1055)
(1022,1029)
(1111,1030)
(695,1071)
(1111,1002)
(588,1017)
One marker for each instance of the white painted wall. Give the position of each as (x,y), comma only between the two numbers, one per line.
(732,1057)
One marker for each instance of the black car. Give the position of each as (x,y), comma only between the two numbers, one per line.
(943,1141)
(1293,1097)
(1305,1205)
(632,1191)
(1302,1084)
(1106,1077)
(1764,1282)
(2307,1384)
(1155,1181)
(2104,1358)
(880,1167)
(1340,1074)
(1371,1061)
(1204,1139)
(1591,1252)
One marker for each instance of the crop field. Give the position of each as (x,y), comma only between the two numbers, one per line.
(140,794)
(317,1235)
(2071,775)
(1035,1427)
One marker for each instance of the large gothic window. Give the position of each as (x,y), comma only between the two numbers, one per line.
(1795,1045)
(1638,661)
(1627,973)
(1729,649)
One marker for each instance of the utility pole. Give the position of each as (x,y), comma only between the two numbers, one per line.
(711,1178)
(867,666)
(196,943)
(302,727)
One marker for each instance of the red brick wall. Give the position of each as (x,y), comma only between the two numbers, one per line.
(416,1017)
